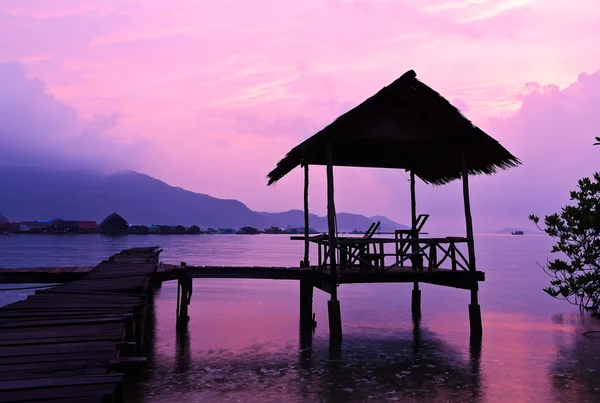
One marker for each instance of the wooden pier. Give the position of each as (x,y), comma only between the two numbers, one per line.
(74,340)
(71,343)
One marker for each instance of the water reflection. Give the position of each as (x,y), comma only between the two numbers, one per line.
(408,365)
(182,352)
(574,372)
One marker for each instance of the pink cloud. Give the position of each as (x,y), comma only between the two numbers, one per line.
(221,91)
(38,129)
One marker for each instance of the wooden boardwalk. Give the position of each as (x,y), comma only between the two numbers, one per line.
(69,343)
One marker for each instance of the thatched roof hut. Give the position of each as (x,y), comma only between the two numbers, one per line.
(114,224)
(406,125)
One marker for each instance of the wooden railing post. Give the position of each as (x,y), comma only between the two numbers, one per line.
(453,255)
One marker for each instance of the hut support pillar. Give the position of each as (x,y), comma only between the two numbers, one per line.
(333,305)
(306,262)
(474,308)
(184,296)
(416,301)
(416,292)
(306,305)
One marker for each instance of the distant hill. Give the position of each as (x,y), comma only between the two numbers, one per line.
(29,194)
(3,218)
(346,221)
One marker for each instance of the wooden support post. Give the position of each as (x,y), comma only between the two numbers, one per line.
(475,315)
(416,293)
(178,300)
(185,284)
(306,243)
(474,308)
(306,302)
(468,218)
(335,322)
(331,222)
(413,201)
(416,301)
(333,305)
(416,261)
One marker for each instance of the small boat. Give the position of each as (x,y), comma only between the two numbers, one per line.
(517,232)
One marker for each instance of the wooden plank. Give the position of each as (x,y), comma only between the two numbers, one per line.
(50,371)
(94,356)
(61,322)
(71,339)
(57,365)
(67,348)
(63,331)
(82,392)
(58,290)
(21,317)
(42,383)
(88,399)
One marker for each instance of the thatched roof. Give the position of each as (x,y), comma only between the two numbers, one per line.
(406,125)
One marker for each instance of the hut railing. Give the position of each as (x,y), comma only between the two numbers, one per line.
(370,254)
(431,253)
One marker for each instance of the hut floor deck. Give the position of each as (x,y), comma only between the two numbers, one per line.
(65,344)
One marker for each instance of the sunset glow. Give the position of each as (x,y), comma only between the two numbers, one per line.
(210,95)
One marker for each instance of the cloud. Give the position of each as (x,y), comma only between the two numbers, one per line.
(38,129)
(552,133)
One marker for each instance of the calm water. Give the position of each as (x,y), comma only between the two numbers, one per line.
(243,342)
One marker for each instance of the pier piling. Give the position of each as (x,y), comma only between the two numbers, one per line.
(416,301)
(335,322)
(306,302)
(475,315)
(184,296)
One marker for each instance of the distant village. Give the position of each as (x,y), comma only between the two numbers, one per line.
(114,224)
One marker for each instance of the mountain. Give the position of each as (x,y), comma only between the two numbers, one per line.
(346,221)
(30,194)
(3,218)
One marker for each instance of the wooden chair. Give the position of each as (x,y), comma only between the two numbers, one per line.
(362,251)
(403,248)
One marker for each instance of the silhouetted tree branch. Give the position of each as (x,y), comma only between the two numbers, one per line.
(577,230)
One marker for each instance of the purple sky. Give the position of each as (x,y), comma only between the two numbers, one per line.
(210,95)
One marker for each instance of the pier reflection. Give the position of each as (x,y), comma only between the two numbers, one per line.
(182,352)
(409,364)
